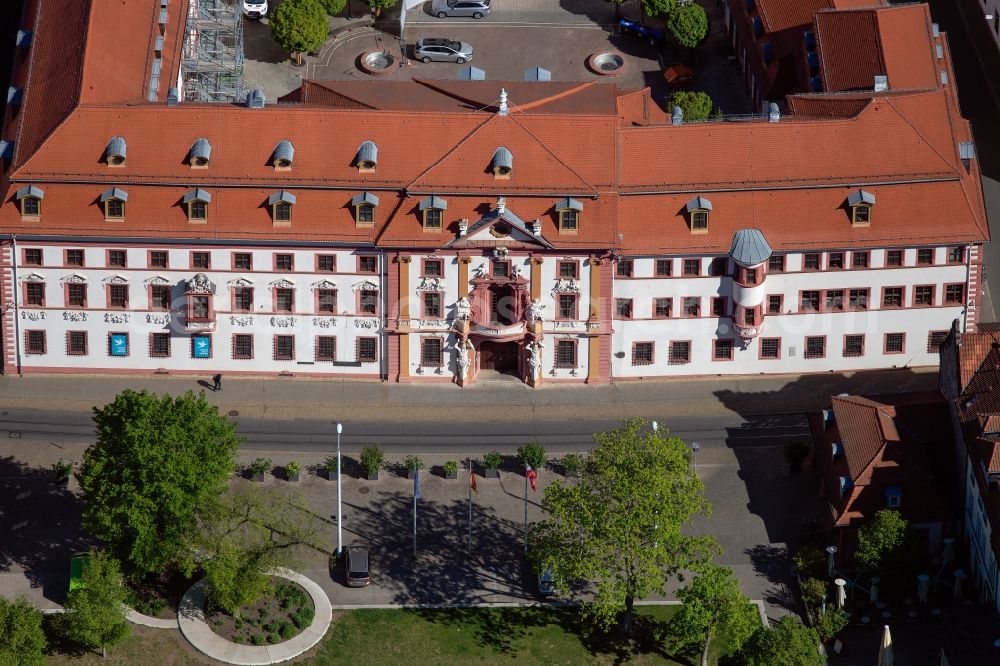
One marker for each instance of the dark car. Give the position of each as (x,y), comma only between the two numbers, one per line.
(358,566)
(649,33)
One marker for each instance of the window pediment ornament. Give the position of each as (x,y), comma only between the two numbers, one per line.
(282,284)
(115,279)
(500,253)
(199,284)
(157,279)
(431,284)
(241,282)
(35,277)
(566,286)
(325,284)
(365,285)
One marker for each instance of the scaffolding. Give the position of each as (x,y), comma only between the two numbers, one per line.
(212,58)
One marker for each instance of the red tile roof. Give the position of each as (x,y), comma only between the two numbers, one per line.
(778,15)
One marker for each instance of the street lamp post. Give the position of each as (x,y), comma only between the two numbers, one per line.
(340,518)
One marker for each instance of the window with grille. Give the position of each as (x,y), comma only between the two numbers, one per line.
(815,346)
(368,301)
(118,295)
(366,264)
(750,317)
(284,300)
(243,346)
(33,257)
(664,267)
(567,306)
(663,307)
(699,219)
(34,293)
(751,276)
(432,304)
(835,299)
(76,343)
(158,259)
(197,210)
(770,347)
(625,267)
(956,255)
(118,344)
(114,208)
(74,257)
(569,220)
(282,262)
(243,299)
(623,308)
(326,263)
(282,211)
(925,257)
(242,261)
(892,297)
(568,270)
(854,345)
(954,294)
(366,214)
(34,342)
(923,295)
(680,352)
(284,348)
(199,309)
(835,261)
(810,301)
(430,353)
(859,260)
(326,300)
(367,350)
(116,258)
(501,269)
(642,353)
(201,260)
(326,348)
(76,295)
(722,350)
(432,218)
(719,306)
(893,257)
(692,306)
(30,206)
(810,262)
(858,299)
(692,267)
(894,343)
(433,268)
(565,354)
(934,341)
(776,263)
(774,304)
(159,345)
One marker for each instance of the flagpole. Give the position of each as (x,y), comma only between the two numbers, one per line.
(471,472)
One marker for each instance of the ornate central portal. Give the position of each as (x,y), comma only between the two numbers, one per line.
(499,356)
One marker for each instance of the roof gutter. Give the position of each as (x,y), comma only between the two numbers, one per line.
(818,186)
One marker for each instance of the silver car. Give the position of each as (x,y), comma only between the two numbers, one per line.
(443,50)
(477,9)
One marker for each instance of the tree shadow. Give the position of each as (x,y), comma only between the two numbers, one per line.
(775,564)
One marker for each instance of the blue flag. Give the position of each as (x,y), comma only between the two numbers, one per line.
(416,483)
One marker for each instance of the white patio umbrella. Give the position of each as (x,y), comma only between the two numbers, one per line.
(885,649)
(841,592)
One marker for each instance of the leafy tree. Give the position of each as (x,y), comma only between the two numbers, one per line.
(157,462)
(333,7)
(810,561)
(687,25)
(880,540)
(695,105)
(655,8)
(378,5)
(828,623)
(813,592)
(22,640)
(621,524)
(789,643)
(712,602)
(299,26)
(95,616)
(532,454)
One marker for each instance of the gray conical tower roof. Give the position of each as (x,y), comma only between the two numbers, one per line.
(749,247)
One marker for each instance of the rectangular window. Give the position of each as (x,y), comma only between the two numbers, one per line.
(860,259)
(282,212)
(242,261)
(76,295)
(199,310)
(433,268)
(642,353)
(625,268)
(720,306)
(699,220)
(750,275)
(954,294)
(159,345)
(34,342)
(118,296)
(565,354)
(680,352)
(925,256)
(835,261)
(367,264)
(623,308)
(202,260)
(956,255)
(775,303)
(569,220)
(367,350)
(368,301)
(282,262)
(284,348)
(33,257)
(118,344)
(568,270)
(159,297)
(934,341)
(722,350)
(501,269)
(432,305)
(116,258)
(326,348)
(664,267)
(432,218)
(431,355)
(893,257)
(567,306)
(835,299)
(776,264)
(284,300)
(923,295)
(201,345)
(326,263)
(858,299)
(34,293)
(770,348)
(157,259)
(692,267)
(76,343)
(892,297)
(810,262)
(854,345)
(692,306)
(809,301)
(366,214)
(74,258)
(243,346)
(894,343)
(815,346)
(243,299)
(326,300)
(750,317)
(718,266)
(663,307)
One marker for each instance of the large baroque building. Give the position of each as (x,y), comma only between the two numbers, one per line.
(435,230)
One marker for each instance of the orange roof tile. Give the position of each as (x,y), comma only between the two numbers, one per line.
(778,15)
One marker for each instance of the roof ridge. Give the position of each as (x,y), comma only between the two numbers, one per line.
(452,150)
(919,133)
(388,221)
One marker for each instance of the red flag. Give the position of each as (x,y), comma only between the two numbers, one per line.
(472,481)
(532,476)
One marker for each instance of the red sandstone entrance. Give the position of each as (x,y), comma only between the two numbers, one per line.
(499,356)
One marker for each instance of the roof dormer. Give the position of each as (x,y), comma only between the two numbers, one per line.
(569,210)
(503,163)
(29,200)
(432,212)
(364,206)
(861,203)
(113,202)
(201,152)
(196,205)
(114,154)
(367,157)
(281,204)
(697,211)
(283,156)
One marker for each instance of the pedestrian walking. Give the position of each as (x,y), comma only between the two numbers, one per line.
(218,382)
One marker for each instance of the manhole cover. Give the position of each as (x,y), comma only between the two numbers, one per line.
(233,412)
(364,490)
(14,435)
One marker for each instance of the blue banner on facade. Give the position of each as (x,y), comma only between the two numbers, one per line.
(202,347)
(119,344)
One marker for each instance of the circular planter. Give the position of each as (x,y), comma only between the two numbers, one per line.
(607,63)
(377,63)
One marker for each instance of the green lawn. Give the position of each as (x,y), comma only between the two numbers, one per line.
(489,636)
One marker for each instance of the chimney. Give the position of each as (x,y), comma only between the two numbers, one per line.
(501,205)
(503,102)
(881,83)
(173,97)
(773,114)
(463,226)
(536,227)
(678,116)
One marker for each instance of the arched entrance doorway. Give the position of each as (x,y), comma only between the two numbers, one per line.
(501,357)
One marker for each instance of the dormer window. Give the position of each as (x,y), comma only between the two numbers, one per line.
(698,210)
(196,202)
(114,154)
(432,211)
(364,208)
(367,157)
(113,201)
(284,155)
(29,200)
(893,497)
(281,208)
(200,153)
(503,163)
(569,211)
(861,203)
